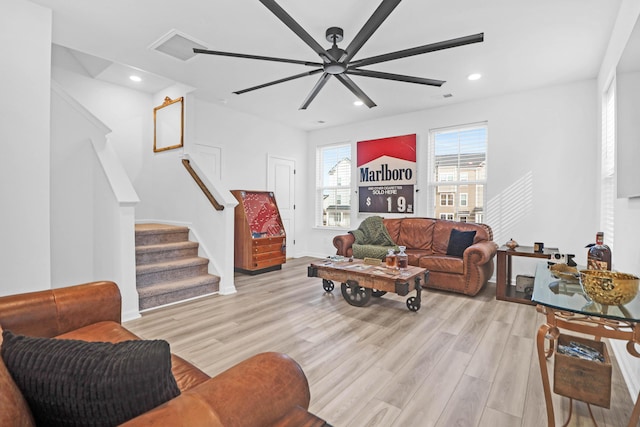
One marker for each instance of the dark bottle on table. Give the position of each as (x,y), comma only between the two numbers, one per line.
(599,255)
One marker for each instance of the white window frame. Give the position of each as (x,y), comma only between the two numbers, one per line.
(608,163)
(322,218)
(464,201)
(435,179)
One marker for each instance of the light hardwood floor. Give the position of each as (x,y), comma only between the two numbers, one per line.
(458,361)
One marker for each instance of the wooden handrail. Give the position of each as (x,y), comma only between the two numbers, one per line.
(202,186)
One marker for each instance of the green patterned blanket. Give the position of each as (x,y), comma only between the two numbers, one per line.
(372,240)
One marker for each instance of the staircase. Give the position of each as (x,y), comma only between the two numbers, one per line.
(168,268)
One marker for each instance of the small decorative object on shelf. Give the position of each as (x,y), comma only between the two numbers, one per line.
(511,244)
(599,254)
(402,258)
(391,260)
(538,247)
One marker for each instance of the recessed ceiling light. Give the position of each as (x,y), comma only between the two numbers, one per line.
(358,103)
(474,76)
(136,79)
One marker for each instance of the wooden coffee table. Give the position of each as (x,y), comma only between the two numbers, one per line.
(360,281)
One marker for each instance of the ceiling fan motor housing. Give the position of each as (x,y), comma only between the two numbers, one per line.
(334,34)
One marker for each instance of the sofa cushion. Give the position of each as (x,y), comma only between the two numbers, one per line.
(186,374)
(442,233)
(73,382)
(393,227)
(15,411)
(459,241)
(416,233)
(415,255)
(442,263)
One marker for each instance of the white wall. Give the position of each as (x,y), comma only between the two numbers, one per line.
(25,46)
(626,252)
(246,142)
(128,113)
(542,143)
(73,162)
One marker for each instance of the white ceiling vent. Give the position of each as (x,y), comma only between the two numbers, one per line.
(177,45)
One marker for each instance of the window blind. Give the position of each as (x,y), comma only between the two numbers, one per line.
(607,165)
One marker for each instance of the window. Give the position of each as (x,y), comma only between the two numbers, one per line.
(333,186)
(446,199)
(608,165)
(458,171)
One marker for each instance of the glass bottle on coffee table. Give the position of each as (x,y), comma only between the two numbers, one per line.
(391,260)
(402,258)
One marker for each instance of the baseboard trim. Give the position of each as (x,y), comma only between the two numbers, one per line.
(625,362)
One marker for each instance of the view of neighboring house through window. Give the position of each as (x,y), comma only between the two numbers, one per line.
(457,159)
(333,186)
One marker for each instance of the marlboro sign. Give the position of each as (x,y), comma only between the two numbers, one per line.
(387,174)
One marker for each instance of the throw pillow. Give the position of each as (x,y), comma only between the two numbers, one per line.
(80,383)
(459,241)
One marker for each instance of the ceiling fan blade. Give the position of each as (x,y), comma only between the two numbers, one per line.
(447,44)
(262,58)
(396,77)
(350,84)
(378,17)
(296,28)
(316,89)
(286,79)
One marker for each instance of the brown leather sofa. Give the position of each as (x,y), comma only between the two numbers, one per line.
(268,389)
(427,240)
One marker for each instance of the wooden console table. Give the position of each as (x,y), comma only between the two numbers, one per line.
(504,290)
(566,307)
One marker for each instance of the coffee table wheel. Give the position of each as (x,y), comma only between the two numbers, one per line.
(355,294)
(327,285)
(413,304)
(376,293)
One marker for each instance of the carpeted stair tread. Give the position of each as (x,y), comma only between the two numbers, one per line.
(160,288)
(171,265)
(151,234)
(155,228)
(150,254)
(167,293)
(166,246)
(168,268)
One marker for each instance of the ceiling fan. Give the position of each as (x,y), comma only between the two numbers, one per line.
(339,62)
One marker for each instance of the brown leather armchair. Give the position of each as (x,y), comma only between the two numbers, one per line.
(427,239)
(264,390)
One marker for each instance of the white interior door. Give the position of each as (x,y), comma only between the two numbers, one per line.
(209,160)
(281,181)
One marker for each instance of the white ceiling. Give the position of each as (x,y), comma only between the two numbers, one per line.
(527,44)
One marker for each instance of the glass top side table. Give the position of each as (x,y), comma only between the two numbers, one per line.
(566,307)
